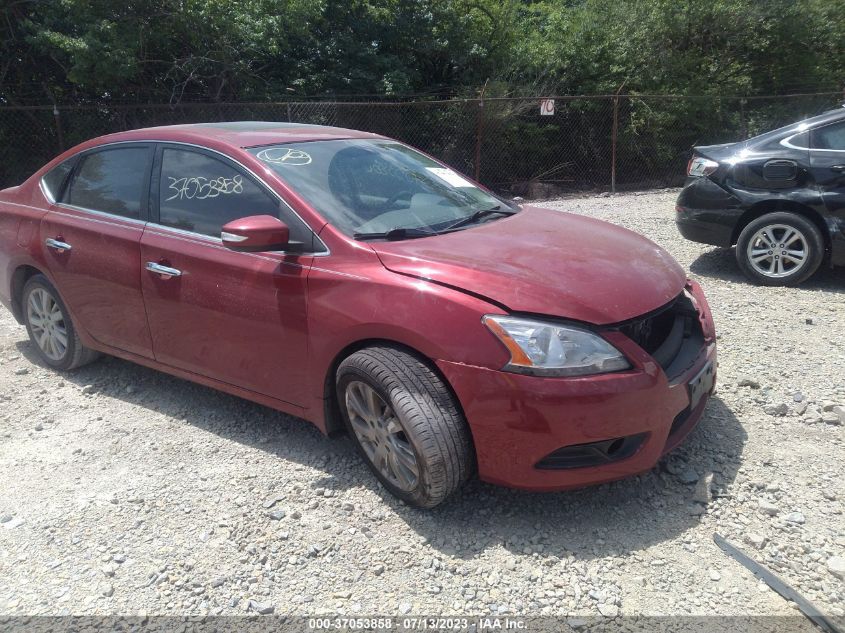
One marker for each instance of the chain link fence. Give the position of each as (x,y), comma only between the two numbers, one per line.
(588,143)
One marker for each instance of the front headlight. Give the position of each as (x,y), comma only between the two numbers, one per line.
(547,349)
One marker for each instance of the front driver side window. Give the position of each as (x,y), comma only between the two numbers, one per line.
(200,193)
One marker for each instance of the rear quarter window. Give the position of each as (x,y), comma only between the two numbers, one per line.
(829,137)
(54,180)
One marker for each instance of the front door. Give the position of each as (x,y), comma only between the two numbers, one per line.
(91,239)
(236,317)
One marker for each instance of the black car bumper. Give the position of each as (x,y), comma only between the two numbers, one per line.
(707,213)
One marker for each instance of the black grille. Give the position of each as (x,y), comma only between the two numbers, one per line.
(650,333)
(663,334)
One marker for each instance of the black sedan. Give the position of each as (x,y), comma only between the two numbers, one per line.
(780,197)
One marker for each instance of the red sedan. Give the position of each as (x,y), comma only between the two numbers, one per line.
(350,280)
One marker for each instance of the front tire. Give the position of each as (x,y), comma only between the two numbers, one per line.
(50,328)
(406,424)
(780,249)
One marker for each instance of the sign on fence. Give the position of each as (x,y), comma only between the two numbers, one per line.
(547,107)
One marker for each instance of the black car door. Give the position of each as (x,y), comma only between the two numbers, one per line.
(827,162)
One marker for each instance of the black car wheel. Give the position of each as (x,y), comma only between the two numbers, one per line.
(780,249)
(406,424)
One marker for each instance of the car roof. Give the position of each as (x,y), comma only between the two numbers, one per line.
(238,133)
(799,126)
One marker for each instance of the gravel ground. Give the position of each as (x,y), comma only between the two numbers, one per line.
(127,491)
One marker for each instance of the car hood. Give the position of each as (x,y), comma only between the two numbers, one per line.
(546,262)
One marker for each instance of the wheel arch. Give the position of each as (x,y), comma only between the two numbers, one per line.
(333,422)
(789,206)
(22,274)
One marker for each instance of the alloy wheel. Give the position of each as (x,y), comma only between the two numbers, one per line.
(777,250)
(47,323)
(381,436)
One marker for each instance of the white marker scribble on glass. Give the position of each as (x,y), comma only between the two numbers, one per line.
(199,188)
(284,156)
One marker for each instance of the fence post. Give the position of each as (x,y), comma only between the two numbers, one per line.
(59,132)
(613,136)
(479,131)
(478,138)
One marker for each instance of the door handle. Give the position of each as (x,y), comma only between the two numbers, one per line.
(837,167)
(61,247)
(166,272)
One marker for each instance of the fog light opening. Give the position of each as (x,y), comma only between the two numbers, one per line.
(615,446)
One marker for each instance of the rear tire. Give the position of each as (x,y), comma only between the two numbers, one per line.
(50,328)
(780,249)
(406,424)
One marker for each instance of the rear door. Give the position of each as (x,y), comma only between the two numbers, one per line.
(827,160)
(91,239)
(236,317)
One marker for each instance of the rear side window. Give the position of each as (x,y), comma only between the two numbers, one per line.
(111,181)
(200,193)
(829,137)
(54,180)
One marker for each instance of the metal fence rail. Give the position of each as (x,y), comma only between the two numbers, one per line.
(591,142)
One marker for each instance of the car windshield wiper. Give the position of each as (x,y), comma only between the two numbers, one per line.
(475,217)
(398,233)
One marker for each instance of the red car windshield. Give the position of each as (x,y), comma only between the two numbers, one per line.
(375,186)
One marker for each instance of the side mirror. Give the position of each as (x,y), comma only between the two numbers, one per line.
(256,233)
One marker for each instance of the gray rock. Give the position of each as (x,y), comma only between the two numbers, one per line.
(757,541)
(218,582)
(703,490)
(277,515)
(688,476)
(107,590)
(405,608)
(5,518)
(89,389)
(21,371)
(794,517)
(263,608)
(715,576)
(767,507)
(836,566)
(38,427)
(798,396)
(833,418)
(272,501)
(777,410)
(378,570)
(609,610)
(747,381)
(119,558)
